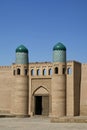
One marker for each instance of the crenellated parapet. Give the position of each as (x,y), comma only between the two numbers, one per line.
(5,67)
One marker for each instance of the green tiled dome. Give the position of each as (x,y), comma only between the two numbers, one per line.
(59,46)
(22,48)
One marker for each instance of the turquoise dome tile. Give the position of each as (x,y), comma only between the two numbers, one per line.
(59,46)
(59,56)
(22,48)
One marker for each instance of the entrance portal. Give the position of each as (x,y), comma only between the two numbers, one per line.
(42,105)
(38,105)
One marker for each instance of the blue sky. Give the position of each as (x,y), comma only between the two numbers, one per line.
(39,25)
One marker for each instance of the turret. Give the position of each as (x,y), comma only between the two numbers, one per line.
(59,53)
(21,55)
(59,81)
(20,89)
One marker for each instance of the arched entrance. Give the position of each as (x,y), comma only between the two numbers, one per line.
(41,102)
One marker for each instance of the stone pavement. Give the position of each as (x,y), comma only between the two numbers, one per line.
(67,119)
(38,123)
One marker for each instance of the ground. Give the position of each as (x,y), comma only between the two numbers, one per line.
(36,123)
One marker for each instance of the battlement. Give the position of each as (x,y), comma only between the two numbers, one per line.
(5,67)
(40,63)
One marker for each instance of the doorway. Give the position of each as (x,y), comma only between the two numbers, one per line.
(42,105)
(38,105)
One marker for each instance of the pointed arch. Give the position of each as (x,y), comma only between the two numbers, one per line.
(40,91)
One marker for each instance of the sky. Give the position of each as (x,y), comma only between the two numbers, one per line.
(39,25)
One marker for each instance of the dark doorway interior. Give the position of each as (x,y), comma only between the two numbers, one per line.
(38,105)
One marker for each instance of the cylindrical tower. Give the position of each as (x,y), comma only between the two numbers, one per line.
(20,89)
(59,81)
(21,55)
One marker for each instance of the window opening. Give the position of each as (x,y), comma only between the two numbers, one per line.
(44,72)
(38,71)
(32,72)
(50,72)
(69,71)
(25,71)
(64,70)
(14,72)
(18,71)
(56,70)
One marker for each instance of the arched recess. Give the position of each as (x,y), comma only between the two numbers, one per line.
(41,101)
